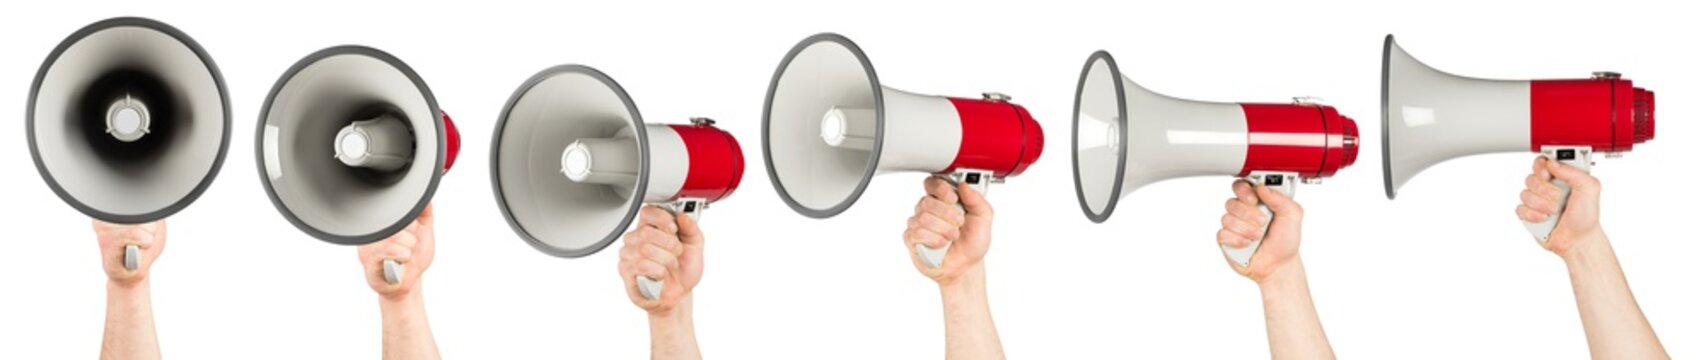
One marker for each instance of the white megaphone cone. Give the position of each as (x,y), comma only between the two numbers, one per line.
(128,121)
(830,126)
(1127,137)
(573,162)
(352,145)
(1432,116)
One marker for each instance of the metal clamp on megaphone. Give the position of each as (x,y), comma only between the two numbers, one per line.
(352,146)
(573,162)
(1431,116)
(1128,137)
(830,126)
(128,122)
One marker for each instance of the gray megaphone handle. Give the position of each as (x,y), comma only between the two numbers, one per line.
(1576,156)
(132,257)
(393,272)
(651,288)
(1282,182)
(979,180)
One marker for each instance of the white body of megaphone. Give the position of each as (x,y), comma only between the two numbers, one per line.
(1431,116)
(830,126)
(351,146)
(1127,137)
(573,163)
(128,121)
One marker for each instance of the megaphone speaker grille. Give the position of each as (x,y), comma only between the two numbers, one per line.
(821,73)
(553,109)
(128,120)
(300,122)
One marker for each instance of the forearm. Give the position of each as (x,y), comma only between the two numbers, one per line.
(1613,321)
(672,332)
(129,331)
(407,334)
(1294,330)
(971,329)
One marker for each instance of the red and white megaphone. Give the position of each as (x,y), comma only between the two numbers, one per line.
(830,126)
(1127,137)
(128,121)
(1432,116)
(351,145)
(573,162)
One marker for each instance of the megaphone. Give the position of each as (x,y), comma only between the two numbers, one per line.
(830,126)
(1431,116)
(128,121)
(351,145)
(1127,137)
(573,162)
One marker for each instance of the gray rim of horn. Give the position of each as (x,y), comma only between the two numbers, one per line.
(1386,115)
(260,134)
(224,103)
(876,148)
(639,134)
(1119,172)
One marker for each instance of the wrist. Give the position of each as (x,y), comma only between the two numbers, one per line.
(1583,247)
(132,283)
(970,282)
(401,299)
(678,315)
(1285,275)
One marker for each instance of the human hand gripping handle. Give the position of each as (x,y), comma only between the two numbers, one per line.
(1553,184)
(129,249)
(665,247)
(1284,183)
(977,180)
(1552,203)
(388,263)
(649,287)
(938,220)
(1260,213)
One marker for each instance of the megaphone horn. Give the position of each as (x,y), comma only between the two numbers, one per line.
(570,149)
(1127,137)
(352,146)
(830,126)
(1431,116)
(128,121)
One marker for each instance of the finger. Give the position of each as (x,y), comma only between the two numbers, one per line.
(656,254)
(394,252)
(1537,202)
(1243,191)
(936,225)
(921,236)
(655,237)
(651,270)
(1244,229)
(1540,164)
(688,230)
(1279,203)
(139,236)
(974,202)
(940,189)
(658,217)
(1528,214)
(938,208)
(405,238)
(426,215)
(1576,178)
(1246,212)
(1231,239)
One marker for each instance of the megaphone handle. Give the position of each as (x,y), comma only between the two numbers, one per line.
(1284,183)
(979,180)
(651,288)
(132,257)
(1576,156)
(393,272)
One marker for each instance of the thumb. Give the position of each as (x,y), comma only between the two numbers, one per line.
(1576,178)
(974,202)
(1281,204)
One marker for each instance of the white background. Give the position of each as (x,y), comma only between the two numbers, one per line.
(1443,272)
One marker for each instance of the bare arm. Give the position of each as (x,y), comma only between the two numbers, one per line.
(670,248)
(1615,326)
(937,222)
(1294,330)
(129,332)
(402,308)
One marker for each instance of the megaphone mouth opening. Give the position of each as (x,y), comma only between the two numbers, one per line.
(377,177)
(137,111)
(817,172)
(534,142)
(1099,113)
(1386,114)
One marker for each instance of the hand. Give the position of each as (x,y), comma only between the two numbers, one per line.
(1581,214)
(113,238)
(412,247)
(937,221)
(1244,221)
(665,247)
